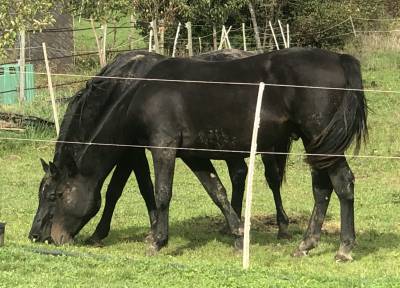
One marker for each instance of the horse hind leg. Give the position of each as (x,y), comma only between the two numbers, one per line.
(164,165)
(322,190)
(343,183)
(274,179)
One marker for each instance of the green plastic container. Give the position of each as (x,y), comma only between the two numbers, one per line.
(9,80)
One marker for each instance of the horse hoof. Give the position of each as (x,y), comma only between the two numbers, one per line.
(343,257)
(284,236)
(300,253)
(149,238)
(94,241)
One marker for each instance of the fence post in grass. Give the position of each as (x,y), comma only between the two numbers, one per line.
(176,39)
(244,37)
(250,176)
(200,45)
(132,31)
(103,49)
(215,44)
(188,26)
(273,34)
(151,40)
(287,36)
(224,38)
(50,83)
(22,66)
(283,34)
(162,36)
(154,26)
(97,42)
(352,26)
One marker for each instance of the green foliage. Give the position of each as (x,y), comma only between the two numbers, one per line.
(101,11)
(20,15)
(214,12)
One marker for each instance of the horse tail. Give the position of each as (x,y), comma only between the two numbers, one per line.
(283,150)
(348,123)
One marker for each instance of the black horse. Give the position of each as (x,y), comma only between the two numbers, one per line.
(175,118)
(86,108)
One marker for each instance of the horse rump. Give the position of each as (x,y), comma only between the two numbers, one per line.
(348,123)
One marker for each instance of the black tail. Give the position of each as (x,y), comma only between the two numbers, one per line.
(347,124)
(281,159)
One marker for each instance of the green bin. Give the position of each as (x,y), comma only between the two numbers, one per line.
(9,83)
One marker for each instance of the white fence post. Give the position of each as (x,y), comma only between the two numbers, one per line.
(53,100)
(352,26)
(273,34)
(244,37)
(249,184)
(283,34)
(22,66)
(176,39)
(287,35)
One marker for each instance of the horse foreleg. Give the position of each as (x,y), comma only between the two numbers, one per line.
(322,190)
(142,172)
(237,168)
(205,172)
(114,190)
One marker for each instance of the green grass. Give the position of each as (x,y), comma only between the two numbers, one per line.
(198,255)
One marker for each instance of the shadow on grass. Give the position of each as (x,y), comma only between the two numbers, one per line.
(199,231)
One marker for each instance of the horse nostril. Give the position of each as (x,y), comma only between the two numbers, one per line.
(34,237)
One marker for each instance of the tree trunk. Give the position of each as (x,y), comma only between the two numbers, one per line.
(255,26)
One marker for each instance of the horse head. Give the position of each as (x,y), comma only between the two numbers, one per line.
(67,201)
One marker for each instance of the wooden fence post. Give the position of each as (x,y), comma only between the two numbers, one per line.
(176,39)
(352,26)
(273,34)
(103,51)
(154,25)
(22,66)
(99,49)
(244,37)
(151,39)
(249,184)
(283,34)
(188,26)
(162,36)
(130,37)
(200,45)
(215,37)
(50,83)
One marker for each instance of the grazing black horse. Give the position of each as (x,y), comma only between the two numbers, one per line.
(274,164)
(175,117)
(86,108)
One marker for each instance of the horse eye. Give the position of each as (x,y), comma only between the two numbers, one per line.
(52,197)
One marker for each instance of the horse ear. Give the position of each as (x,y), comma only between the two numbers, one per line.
(44,165)
(53,169)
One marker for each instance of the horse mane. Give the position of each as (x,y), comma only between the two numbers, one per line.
(89,105)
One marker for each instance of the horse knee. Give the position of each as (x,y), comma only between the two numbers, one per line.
(344,184)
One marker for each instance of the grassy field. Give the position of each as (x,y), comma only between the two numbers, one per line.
(198,255)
